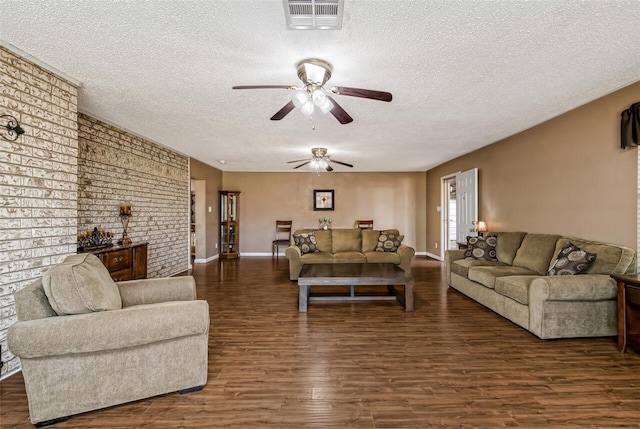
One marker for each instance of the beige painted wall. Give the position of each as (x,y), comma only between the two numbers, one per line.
(212,178)
(392,200)
(566,176)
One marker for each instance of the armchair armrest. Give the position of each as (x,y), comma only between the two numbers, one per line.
(108,330)
(151,291)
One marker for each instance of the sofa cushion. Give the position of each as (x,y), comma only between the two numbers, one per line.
(571,260)
(369,240)
(515,287)
(487,275)
(346,240)
(507,245)
(382,257)
(323,240)
(306,242)
(481,248)
(349,257)
(461,266)
(81,284)
(389,241)
(610,258)
(536,251)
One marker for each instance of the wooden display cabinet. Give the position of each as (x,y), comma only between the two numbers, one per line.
(124,262)
(229,224)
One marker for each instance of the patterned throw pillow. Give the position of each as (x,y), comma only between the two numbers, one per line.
(481,248)
(306,242)
(388,242)
(571,260)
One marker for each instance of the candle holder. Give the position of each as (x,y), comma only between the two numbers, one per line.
(125,216)
(324,223)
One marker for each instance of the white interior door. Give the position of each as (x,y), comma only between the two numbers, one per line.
(466,204)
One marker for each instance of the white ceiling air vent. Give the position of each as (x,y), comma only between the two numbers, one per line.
(313,14)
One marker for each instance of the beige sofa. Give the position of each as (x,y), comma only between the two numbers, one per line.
(86,343)
(518,288)
(356,245)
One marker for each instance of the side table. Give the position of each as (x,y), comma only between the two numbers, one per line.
(628,311)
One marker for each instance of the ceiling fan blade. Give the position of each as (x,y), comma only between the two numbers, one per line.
(299,160)
(301,165)
(339,113)
(362,93)
(283,112)
(329,168)
(262,87)
(341,163)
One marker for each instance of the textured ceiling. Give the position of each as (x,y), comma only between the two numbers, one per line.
(463,74)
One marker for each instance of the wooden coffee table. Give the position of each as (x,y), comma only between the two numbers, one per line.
(353,275)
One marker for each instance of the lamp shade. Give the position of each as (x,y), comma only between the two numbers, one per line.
(482,226)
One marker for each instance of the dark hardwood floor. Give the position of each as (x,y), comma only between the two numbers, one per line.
(450,363)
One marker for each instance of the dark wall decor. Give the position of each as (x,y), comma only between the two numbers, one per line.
(323,199)
(630,126)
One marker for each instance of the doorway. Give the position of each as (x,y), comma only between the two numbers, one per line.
(459,208)
(449,218)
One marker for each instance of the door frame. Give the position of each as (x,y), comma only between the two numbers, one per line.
(444,213)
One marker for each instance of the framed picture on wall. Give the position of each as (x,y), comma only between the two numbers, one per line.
(323,199)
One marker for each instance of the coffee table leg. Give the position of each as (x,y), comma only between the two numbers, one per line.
(408,297)
(303,298)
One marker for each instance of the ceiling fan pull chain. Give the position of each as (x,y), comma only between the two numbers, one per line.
(313,125)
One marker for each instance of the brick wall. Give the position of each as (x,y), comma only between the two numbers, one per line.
(115,166)
(38,181)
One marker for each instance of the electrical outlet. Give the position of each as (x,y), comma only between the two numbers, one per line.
(216,245)
(436,244)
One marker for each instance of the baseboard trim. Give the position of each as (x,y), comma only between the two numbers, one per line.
(207,260)
(434,256)
(10,373)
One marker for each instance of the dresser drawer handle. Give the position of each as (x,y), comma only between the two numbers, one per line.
(119,259)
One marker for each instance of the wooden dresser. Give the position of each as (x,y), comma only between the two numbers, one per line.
(124,262)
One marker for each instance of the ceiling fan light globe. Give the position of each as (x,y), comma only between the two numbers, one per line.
(307,108)
(319,97)
(299,98)
(326,106)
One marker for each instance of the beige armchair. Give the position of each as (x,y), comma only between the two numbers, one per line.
(86,343)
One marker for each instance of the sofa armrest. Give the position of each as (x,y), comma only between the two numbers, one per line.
(581,287)
(151,291)
(294,256)
(108,330)
(406,254)
(449,257)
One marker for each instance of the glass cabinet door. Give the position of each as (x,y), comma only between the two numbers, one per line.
(229,224)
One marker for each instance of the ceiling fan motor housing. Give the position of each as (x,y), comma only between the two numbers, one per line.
(314,71)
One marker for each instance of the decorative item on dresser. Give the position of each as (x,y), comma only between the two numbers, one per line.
(125,216)
(124,262)
(229,224)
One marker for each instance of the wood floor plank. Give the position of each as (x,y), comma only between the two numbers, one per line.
(450,363)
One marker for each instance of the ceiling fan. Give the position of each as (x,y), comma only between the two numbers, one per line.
(312,95)
(319,161)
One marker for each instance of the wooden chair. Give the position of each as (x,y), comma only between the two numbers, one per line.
(364,224)
(283,236)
